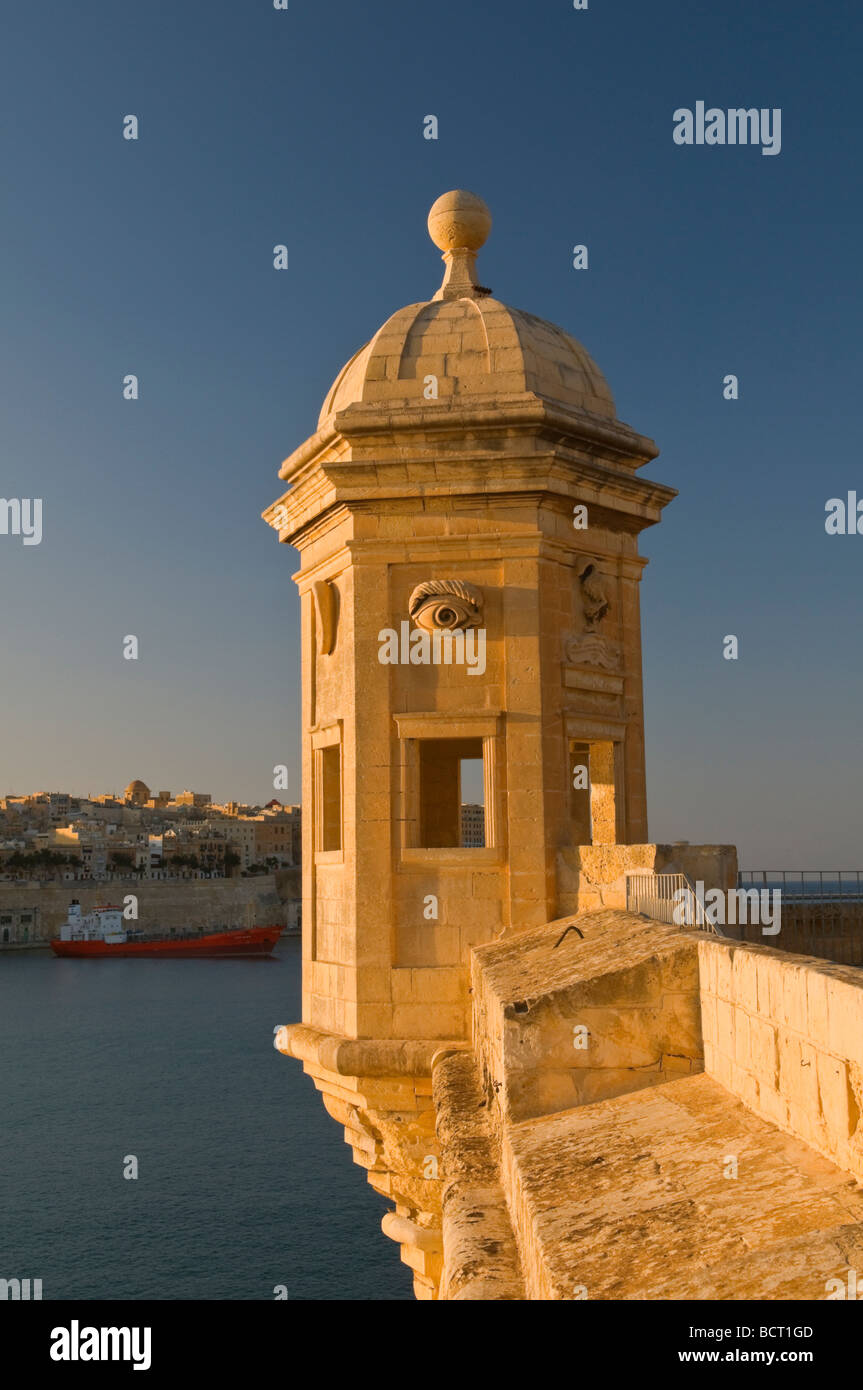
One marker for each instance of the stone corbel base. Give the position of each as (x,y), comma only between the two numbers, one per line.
(380,1091)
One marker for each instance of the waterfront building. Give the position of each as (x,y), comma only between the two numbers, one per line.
(240,835)
(277,835)
(18,926)
(472,826)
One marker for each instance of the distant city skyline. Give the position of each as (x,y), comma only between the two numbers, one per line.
(106,791)
(154,257)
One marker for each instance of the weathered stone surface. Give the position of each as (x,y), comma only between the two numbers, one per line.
(481,1257)
(366,1057)
(562,1019)
(785,1033)
(594,876)
(628,1199)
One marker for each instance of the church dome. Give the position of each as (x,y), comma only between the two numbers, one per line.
(137,793)
(465,345)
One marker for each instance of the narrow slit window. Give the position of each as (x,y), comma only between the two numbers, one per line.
(331,798)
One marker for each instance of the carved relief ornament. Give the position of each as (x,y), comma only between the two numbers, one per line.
(449,605)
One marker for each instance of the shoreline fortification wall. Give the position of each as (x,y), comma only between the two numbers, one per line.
(265,900)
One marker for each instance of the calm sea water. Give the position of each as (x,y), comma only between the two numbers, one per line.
(244,1181)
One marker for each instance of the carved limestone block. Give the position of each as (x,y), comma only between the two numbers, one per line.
(594,596)
(449,605)
(327,606)
(590,649)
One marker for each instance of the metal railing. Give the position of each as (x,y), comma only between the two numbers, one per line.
(661,896)
(804,885)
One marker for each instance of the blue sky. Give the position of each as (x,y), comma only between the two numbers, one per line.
(304,127)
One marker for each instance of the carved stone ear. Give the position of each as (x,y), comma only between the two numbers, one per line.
(327,605)
(446,605)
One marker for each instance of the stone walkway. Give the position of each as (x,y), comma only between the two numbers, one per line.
(628,1199)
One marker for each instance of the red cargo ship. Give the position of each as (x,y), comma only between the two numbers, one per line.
(102,933)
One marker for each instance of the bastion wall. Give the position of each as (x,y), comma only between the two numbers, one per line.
(271,899)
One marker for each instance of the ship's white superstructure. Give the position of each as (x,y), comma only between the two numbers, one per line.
(102,924)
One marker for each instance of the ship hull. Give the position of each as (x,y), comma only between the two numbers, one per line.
(252,941)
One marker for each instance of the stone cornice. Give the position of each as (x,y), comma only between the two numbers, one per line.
(491,415)
(359,1056)
(347,485)
(480,417)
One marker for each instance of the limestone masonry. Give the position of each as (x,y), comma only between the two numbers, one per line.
(541,1082)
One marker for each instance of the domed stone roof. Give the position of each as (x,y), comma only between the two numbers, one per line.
(473,345)
(137,792)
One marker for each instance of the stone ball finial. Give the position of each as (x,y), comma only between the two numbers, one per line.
(459,220)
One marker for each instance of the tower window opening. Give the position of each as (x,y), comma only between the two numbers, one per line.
(451,793)
(472,799)
(594,792)
(582,823)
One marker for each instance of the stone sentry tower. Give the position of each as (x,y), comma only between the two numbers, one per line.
(468,480)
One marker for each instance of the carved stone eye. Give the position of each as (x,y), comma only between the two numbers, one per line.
(448,605)
(451,614)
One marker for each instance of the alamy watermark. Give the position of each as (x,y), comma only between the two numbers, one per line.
(845,518)
(843,1289)
(20,1289)
(719,907)
(22,516)
(77,1343)
(737,126)
(443,647)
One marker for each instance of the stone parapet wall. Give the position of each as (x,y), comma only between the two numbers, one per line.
(481,1254)
(784,1034)
(832,930)
(519,1165)
(583,1009)
(594,876)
